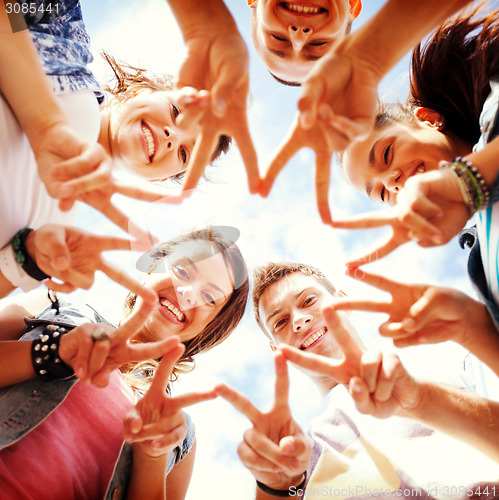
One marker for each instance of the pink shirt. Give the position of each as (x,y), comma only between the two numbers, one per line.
(72,453)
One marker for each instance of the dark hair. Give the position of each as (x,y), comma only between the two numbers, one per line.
(270,273)
(450,72)
(130,81)
(231,313)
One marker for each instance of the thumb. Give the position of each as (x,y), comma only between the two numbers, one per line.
(308,103)
(223,87)
(418,315)
(53,243)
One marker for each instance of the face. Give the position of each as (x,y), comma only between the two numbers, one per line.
(290,309)
(145,136)
(380,165)
(192,291)
(290,36)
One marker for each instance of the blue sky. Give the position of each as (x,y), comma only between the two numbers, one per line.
(285,226)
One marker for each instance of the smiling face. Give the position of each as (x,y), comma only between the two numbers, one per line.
(290,36)
(143,133)
(380,165)
(290,311)
(193,290)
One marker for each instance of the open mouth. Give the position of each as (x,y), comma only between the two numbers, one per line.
(313,338)
(172,309)
(298,8)
(151,146)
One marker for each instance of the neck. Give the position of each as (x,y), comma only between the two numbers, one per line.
(105,131)
(324,384)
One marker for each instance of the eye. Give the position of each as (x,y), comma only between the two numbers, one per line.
(180,272)
(309,301)
(183,154)
(382,194)
(279,324)
(175,112)
(317,44)
(386,154)
(275,37)
(209,298)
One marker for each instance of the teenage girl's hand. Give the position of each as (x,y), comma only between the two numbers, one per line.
(93,359)
(429,209)
(73,256)
(217,61)
(337,105)
(378,382)
(275,449)
(156,424)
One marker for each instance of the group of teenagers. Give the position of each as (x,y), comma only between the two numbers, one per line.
(86,406)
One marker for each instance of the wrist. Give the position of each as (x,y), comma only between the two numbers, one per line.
(284,489)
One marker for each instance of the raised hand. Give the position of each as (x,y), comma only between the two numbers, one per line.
(420,313)
(73,256)
(275,449)
(217,61)
(156,423)
(429,209)
(337,105)
(94,351)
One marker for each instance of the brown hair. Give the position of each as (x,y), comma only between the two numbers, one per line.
(130,80)
(268,274)
(231,313)
(450,72)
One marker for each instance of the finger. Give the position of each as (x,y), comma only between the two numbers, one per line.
(134,322)
(357,129)
(295,446)
(395,330)
(252,459)
(163,372)
(98,356)
(361,305)
(369,220)
(285,152)
(192,398)
(119,276)
(194,109)
(360,394)
(66,204)
(83,164)
(386,378)
(59,287)
(342,336)
(200,158)
(370,365)
(240,402)
(71,279)
(132,423)
(420,227)
(308,103)
(281,381)
(98,179)
(379,251)
(322,177)
(85,345)
(53,244)
(152,350)
(224,86)
(375,280)
(151,192)
(419,314)
(249,156)
(173,429)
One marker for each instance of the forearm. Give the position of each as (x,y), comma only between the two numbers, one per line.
(460,414)
(395,29)
(24,84)
(148,476)
(5,286)
(15,362)
(487,161)
(196,18)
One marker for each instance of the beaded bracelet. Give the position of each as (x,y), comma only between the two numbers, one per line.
(45,354)
(290,492)
(475,192)
(23,258)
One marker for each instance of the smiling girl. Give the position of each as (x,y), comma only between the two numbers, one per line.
(202,287)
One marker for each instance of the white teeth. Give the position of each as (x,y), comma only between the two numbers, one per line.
(302,9)
(420,169)
(313,338)
(176,312)
(150,141)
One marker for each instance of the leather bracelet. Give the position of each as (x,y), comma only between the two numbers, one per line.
(45,354)
(23,258)
(290,492)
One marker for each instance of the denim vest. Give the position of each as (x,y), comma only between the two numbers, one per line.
(63,45)
(489,126)
(25,405)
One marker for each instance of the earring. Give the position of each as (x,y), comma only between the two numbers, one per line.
(439,124)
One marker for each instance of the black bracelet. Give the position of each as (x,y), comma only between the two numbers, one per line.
(290,492)
(45,354)
(23,258)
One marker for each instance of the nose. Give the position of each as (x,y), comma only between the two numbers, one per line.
(300,321)
(187,296)
(393,180)
(171,138)
(299,35)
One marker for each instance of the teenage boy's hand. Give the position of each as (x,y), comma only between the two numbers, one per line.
(275,449)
